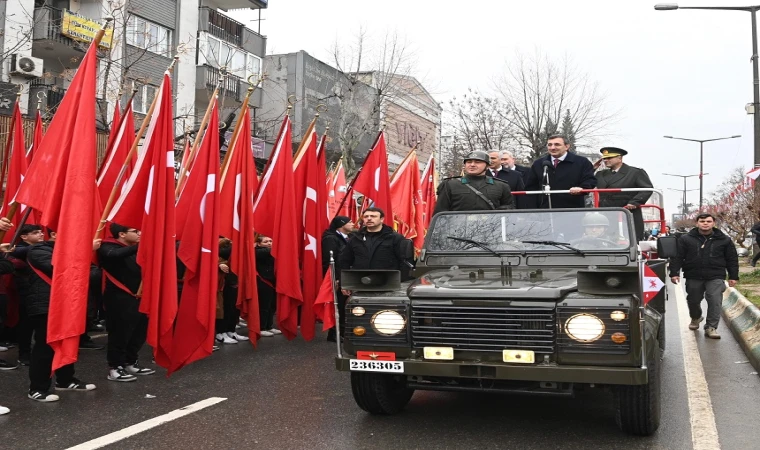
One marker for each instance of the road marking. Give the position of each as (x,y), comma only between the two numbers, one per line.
(704,432)
(117,436)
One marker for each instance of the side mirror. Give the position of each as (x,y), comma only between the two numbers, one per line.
(667,247)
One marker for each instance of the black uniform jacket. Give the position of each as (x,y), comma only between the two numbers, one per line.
(574,171)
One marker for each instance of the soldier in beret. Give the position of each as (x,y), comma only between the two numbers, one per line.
(475,190)
(621,175)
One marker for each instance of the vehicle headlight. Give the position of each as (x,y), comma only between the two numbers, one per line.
(584,327)
(388,322)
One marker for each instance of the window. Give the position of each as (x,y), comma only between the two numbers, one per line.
(143,97)
(147,35)
(238,62)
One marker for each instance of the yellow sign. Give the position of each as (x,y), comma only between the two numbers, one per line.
(82,29)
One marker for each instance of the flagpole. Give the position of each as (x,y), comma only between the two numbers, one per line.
(109,148)
(201,130)
(336,305)
(641,264)
(238,126)
(353,180)
(130,155)
(7,152)
(395,171)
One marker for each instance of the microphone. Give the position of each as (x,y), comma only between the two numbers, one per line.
(547,164)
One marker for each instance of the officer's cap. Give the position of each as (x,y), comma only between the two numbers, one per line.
(611,152)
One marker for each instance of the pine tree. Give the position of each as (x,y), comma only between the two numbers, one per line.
(568,131)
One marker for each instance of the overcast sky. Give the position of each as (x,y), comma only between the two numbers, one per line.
(682,73)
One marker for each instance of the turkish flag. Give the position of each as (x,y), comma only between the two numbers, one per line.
(372,180)
(337,192)
(16,169)
(651,284)
(324,305)
(304,161)
(147,203)
(120,142)
(406,195)
(60,183)
(428,193)
(276,215)
(199,251)
(238,185)
(39,130)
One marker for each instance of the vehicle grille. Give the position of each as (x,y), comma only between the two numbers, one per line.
(483,328)
(602,345)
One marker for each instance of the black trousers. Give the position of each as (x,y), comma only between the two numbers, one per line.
(267,305)
(42,359)
(127,328)
(24,330)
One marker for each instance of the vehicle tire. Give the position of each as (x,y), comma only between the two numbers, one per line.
(379,393)
(638,407)
(661,337)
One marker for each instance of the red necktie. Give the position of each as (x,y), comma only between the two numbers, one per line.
(556,161)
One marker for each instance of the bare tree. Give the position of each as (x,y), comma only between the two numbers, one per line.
(736,205)
(542,94)
(479,122)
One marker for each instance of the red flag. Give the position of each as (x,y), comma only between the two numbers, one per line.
(651,284)
(16,169)
(406,195)
(119,144)
(275,214)
(324,305)
(210,140)
(199,251)
(372,180)
(36,140)
(304,161)
(147,203)
(61,184)
(238,186)
(337,192)
(428,193)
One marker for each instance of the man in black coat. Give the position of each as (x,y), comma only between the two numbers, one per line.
(265,284)
(375,246)
(514,178)
(334,240)
(127,326)
(566,171)
(40,260)
(621,175)
(705,254)
(508,162)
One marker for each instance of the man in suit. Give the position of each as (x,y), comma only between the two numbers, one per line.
(620,175)
(495,163)
(566,171)
(508,162)
(513,178)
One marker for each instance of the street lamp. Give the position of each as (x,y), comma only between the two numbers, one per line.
(683,206)
(701,157)
(683,201)
(755,72)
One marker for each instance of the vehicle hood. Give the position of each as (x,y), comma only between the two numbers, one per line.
(456,283)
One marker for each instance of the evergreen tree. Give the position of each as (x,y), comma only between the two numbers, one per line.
(567,130)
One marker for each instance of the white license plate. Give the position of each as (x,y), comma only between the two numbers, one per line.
(362,365)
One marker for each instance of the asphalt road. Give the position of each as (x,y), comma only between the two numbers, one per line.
(287,395)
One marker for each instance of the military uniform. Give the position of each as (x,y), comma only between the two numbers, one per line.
(625,177)
(454,194)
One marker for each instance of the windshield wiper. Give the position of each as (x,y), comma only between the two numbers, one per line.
(475,243)
(557,244)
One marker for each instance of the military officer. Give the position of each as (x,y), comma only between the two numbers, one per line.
(621,175)
(474,191)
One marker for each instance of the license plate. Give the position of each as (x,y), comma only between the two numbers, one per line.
(519,356)
(360,365)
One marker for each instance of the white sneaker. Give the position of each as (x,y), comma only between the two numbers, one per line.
(219,337)
(238,337)
(228,340)
(3,349)
(275,331)
(266,333)
(4,410)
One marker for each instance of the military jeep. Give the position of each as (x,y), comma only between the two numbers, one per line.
(521,302)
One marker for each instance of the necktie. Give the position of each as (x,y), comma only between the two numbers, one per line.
(556,161)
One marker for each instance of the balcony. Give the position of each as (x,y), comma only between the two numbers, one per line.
(226,29)
(54,90)
(48,41)
(238,4)
(232,92)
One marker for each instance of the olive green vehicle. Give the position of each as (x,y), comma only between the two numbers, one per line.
(518,302)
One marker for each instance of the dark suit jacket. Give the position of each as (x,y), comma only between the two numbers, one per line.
(516,183)
(626,177)
(523,170)
(574,171)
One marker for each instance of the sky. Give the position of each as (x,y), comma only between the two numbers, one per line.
(681,73)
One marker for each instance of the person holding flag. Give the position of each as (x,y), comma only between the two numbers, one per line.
(705,254)
(334,240)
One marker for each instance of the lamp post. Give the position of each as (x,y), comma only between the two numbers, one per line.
(701,158)
(683,205)
(683,201)
(755,72)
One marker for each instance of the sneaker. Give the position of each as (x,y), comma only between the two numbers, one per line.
(228,340)
(5,365)
(75,385)
(4,410)
(694,324)
(266,333)
(90,345)
(97,327)
(119,374)
(238,337)
(3,349)
(137,369)
(712,333)
(215,348)
(242,323)
(275,331)
(43,397)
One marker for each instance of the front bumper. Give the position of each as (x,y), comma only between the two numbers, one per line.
(534,372)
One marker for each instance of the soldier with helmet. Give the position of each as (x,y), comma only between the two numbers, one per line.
(474,190)
(595,232)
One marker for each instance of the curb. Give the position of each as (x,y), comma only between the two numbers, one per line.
(743,318)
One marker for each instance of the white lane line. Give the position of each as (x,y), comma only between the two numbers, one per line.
(117,436)
(704,432)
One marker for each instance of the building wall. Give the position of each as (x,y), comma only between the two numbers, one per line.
(162,12)
(184,74)
(404,129)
